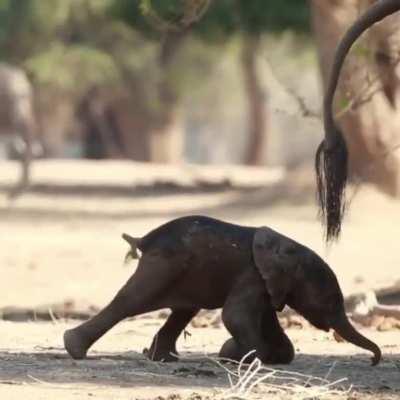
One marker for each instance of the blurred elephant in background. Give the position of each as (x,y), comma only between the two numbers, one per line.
(17,119)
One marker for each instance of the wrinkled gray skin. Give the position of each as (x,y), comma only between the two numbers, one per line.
(198,262)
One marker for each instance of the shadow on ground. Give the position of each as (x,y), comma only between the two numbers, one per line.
(53,366)
(240,201)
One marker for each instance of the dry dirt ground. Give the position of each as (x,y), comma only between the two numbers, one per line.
(61,244)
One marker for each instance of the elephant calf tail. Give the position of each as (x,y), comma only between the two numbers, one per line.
(134,243)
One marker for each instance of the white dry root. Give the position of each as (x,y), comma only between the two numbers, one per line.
(253,380)
(257,379)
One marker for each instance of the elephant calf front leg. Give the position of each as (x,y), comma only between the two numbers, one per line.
(280,348)
(253,324)
(163,347)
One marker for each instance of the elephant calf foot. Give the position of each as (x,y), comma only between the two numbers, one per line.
(75,344)
(282,354)
(232,351)
(164,354)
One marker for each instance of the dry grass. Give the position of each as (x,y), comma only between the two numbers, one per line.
(252,380)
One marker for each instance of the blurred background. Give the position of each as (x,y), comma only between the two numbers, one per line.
(117,115)
(143,80)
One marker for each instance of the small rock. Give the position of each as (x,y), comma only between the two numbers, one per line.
(386,325)
(377,320)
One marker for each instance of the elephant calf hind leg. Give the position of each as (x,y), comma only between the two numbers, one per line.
(139,295)
(163,347)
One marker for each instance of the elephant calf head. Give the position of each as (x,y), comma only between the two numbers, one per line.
(296,276)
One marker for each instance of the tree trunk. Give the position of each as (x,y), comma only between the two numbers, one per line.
(255,97)
(166,134)
(368,95)
(132,120)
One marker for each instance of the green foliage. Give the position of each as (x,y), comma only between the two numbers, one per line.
(133,14)
(27,24)
(73,44)
(278,15)
(222,19)
(73,68)
(343,103)
(58,41)
(229,16)
(171,10)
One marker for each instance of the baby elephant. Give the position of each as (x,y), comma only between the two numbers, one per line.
(198,262)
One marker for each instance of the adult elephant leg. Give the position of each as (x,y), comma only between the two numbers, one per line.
(163,347)
(16,94)
(27,156)
(141,294)
(23,120)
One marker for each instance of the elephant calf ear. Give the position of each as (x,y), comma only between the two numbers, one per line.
(275,267)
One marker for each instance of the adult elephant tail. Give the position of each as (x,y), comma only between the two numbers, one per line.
(331,162)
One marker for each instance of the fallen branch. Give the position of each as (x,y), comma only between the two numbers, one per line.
(365,309)
(52,313)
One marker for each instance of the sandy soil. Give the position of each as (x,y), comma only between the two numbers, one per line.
(61,243)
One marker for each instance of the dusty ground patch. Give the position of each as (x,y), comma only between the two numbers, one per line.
(33,361)
(64,245)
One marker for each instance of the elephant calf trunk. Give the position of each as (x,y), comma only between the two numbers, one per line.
(345,329)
